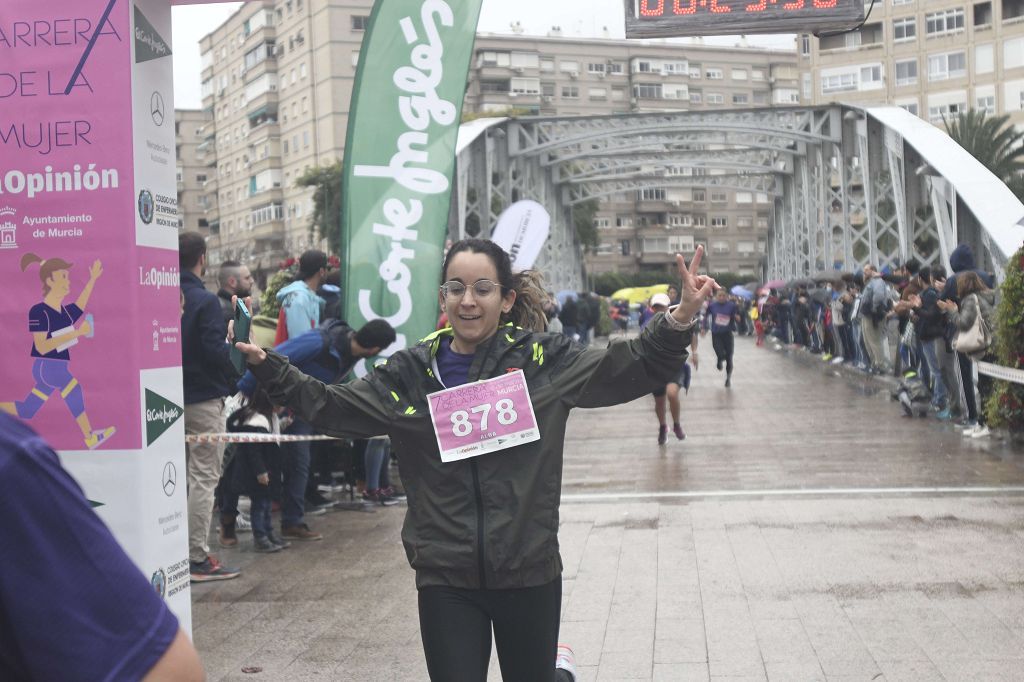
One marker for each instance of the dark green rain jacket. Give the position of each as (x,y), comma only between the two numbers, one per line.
(489,521)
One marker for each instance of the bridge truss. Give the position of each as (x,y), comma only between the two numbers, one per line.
(848,185)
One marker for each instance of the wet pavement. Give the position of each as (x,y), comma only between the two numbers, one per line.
(804,530)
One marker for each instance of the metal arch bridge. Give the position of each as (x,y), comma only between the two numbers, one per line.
(848,185)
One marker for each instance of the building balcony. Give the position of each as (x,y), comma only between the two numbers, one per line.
(267,32)
(272,230)
(268,65)
(656,258)
(255,166)
(265,102)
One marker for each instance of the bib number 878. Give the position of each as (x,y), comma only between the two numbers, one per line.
(505,413)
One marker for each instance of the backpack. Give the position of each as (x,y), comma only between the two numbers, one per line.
(281,335)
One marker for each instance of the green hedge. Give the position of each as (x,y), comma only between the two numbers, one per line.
(1005,407)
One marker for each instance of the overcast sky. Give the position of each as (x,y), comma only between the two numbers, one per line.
(576,17)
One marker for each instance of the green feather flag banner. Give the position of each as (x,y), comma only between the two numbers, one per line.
(399,161)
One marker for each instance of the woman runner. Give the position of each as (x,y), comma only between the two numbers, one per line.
(482,533)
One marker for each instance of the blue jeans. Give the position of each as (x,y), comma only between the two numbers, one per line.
(259,514)
(939,396)
(376,458)
(295,466)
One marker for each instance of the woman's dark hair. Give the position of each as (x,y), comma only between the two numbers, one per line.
(925,273)
(259,403)
(969,282)
(527,311)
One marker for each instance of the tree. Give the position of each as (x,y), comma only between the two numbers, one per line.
(326,220)
(992,141)
(583,219)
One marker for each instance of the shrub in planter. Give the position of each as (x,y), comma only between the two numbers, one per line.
(1005,407)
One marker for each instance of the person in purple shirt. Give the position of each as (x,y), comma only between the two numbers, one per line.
(73,606)
(52,325)
(721,319)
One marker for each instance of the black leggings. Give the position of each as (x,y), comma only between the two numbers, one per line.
(722,342)
(455,625)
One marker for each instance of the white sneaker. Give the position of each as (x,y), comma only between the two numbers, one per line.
(970,431)
(242,523)
(565,660)
(981,432)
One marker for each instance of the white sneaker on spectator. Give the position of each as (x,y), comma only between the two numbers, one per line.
(970,431)
(565,660)
(981,432)
(242,524)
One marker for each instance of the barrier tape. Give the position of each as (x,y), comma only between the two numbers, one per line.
(999,372)
(251,438)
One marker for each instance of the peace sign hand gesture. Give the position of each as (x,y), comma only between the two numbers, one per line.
(695,288)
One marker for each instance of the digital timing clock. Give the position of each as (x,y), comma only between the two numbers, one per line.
(668,18)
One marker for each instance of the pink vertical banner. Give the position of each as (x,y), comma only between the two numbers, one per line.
(88,256)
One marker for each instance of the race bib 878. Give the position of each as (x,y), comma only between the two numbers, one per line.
(485,416)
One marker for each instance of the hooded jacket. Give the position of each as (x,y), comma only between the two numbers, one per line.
(206,366)
(324,353)
(489,521)
(962,260)
(302,307)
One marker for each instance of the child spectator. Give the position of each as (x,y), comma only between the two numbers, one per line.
(255,471)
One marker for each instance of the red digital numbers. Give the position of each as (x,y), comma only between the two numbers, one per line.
(656,8)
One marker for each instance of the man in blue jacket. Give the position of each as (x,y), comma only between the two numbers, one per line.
(327,353)
(209,378)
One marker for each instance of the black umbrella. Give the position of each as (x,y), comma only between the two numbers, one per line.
(827,276)
(800,282)
(822,296)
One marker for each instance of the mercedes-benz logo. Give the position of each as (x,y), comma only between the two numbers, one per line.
(169,480)
(156,108)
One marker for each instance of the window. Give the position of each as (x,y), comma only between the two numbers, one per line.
(643,66)
(596,68)
(715,98)
(870,75)
(718,197)
(719,222)
(491,58)
(904,29)
(987,103)
(745,222)
(983,15)
(547,89)
(547,64)
(678,68)
(714,74)
(906,72)
(359,22)
(618,94)
(524,60)
(569,66)
(909,106)
(740,98)
(302,70)
(945,21)
(651,194)
(840,82)
(699,197)
(647,91)
(624,221)
(757,74)
(570,92)
(739,74)
(945,66)
(500,87)
(624,246)
(744,197)
(696,97)
(984,58)
(805,45)
(937,113)
(602,223)
(598,93)
(526,86)
(616,68)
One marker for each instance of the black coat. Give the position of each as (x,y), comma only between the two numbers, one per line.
(249,461)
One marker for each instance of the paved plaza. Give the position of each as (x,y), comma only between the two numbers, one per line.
(804,530)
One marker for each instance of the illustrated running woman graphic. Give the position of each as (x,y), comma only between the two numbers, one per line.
(53,332)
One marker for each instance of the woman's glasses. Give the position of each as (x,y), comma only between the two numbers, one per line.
(482,288)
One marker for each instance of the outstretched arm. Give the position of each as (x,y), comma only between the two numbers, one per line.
(94,274)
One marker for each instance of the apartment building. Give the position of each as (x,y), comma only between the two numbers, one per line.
(277,79)
(189,132)
(276,83)
(933,58)
(556,75)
